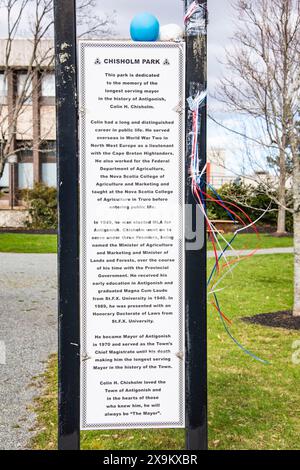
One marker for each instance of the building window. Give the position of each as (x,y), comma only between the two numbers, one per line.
(3,88)
(24,87)
(48,160)
(25,165)
(49,174)
(24,151)
(4,181)
(48,85)
(25,175)
(48,151)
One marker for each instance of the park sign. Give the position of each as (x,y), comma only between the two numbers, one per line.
(131,136)
(132,131)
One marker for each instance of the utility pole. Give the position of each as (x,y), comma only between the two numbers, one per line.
(196,292)
(68,244)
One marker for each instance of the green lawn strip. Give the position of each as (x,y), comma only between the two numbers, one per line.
(252,241)
(45,405)
(27,243)
(251,405)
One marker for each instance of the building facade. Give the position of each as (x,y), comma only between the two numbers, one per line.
(34,132)
(33,127)
(216,167)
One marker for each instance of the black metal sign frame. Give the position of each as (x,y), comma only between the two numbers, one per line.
(68,245)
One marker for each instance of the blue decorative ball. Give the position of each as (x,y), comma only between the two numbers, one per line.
(144,27)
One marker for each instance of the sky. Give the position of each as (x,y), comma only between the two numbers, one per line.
(220,29)
(172,11)
(169,11)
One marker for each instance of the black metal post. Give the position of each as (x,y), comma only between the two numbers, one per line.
(68,244)
(196,309)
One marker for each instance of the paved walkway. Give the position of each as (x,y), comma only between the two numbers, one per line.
(28,330)
(264,251)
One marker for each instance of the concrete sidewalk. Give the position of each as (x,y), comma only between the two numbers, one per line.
(29,334)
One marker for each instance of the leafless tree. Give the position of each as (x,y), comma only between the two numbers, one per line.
(33,19)
(262,82)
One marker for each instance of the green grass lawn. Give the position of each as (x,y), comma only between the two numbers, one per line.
(251,405)
(252,241)
(28,243)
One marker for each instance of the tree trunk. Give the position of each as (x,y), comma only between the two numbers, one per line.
(296,309)
(296,202)
(281,220)
(281,195)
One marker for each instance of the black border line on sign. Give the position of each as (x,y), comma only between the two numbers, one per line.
(180,46)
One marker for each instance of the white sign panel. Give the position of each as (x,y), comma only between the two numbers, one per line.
(132,248)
